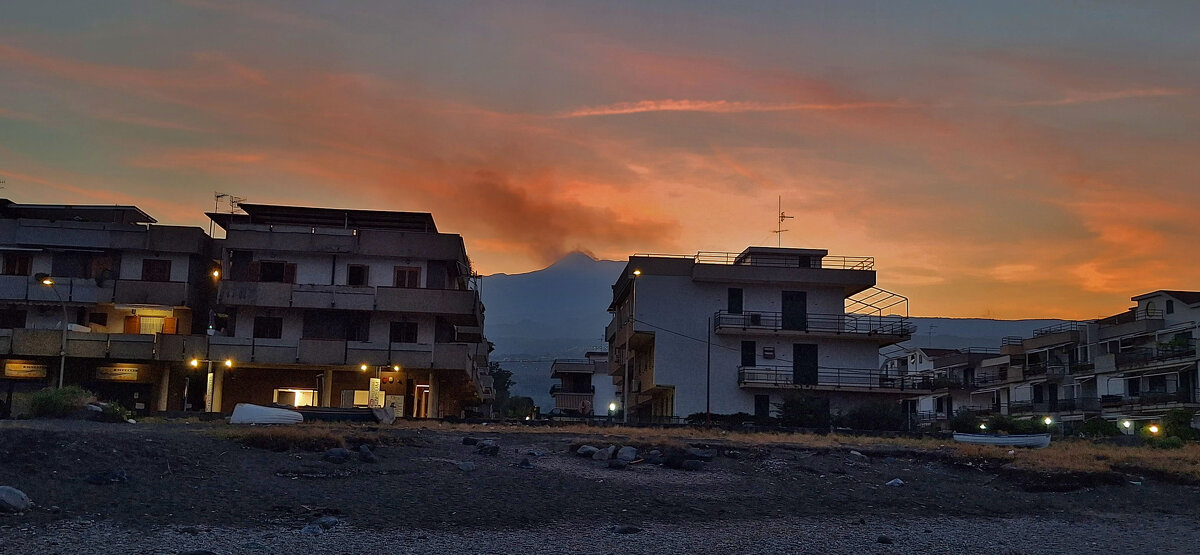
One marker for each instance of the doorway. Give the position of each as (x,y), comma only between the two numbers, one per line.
(804,364)
(795,310)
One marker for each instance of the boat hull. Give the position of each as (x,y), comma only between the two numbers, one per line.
(1030,440)
(246,413)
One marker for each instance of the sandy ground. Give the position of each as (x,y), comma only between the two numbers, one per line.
(186,490)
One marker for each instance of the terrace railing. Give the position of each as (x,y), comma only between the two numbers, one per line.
(836,324)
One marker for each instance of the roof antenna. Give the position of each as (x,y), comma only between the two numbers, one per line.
(779,226)
(233,206)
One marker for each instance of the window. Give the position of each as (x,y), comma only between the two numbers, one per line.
(340,325)
(1158,384)
(268,327)
(1133,387)
(71,265)
(156,270)
(98,318)
(16,264)
(296,397)
(356,275)
(407,276)
(239,265)
(1170,306)
(150,325)
(941,405)
(276,272)
(734,304)
(12,319)
(404,332)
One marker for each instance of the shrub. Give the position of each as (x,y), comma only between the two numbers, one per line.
(803,411)
(735,419)
(1007,424)
(1099,427)
(966,422)
(114,412)
(1178,423)
(1172,442)
(877,417)
(57,403)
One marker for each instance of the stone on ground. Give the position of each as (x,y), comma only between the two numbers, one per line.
(627,453)
(586,451)
(13,500)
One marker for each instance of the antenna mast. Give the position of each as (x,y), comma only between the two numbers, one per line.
(779,226)
(233,206)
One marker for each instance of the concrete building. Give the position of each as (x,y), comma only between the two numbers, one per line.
(345,308)
(128,291)
(584,385)
(946,378)
(734,332)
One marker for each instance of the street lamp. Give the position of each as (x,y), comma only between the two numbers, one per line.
(48,281)
(210,388)
(628,342)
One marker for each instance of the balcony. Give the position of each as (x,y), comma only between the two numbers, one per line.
(1152,400)
(168,293)
(85,345)
(1079,404)
(1048,369)
(1149,356)
(826,378)
(557,389)
(774,323)
(460,307)
(71,290)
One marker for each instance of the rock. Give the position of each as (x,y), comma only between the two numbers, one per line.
(692,464)
(470,440)
(605,454)
(655,452)
(525,464)
(895,482)
(13,500)
(488,443)
(626,529)
(466,466)
(700,454)
(327,522)
(732,453)
(652,458)
(885,540)
(366,455)
(674,460)
(617,464)
(490,450)
(586,451)
(859,457)
(337,455)
(535,453)
(627,453)
(312,530)
(117,476)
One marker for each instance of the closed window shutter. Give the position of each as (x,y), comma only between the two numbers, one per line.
(289,273)
(170,325)
(255,271)
(132,325)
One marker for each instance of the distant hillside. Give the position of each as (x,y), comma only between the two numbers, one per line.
(561,311)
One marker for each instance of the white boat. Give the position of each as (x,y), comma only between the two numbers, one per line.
(1030,440)
(246,413)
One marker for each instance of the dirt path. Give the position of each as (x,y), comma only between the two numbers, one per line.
(164,478)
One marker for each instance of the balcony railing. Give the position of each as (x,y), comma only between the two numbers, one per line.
(1078,404)
(1153,399)
(787,377)
(1050,369)
(836,324)
(828,262)
(557,389)
(1147,356)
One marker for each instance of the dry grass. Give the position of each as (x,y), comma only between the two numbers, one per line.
(1063,455)
(306,437)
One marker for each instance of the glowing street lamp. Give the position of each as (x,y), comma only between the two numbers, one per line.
(1153,428)
(1048,421)
(983,426)
(48,281)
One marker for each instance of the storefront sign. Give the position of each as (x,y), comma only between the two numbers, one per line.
(24,370)
(374,396)
(117,373)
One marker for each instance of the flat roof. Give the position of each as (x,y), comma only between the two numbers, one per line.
(102,213)
(274,214)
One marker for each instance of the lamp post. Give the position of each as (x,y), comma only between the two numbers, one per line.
(210,389)
(628,351)
(48,281)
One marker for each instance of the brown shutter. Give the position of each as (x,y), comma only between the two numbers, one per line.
(255,271)
(132,325)
(170,325)
(289,273)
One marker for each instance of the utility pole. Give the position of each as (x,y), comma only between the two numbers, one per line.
(708,375)
(779,225)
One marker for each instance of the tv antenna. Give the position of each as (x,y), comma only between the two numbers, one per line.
(232,200)
(779,226)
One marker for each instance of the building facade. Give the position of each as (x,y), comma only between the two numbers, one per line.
(735,332)
(295,306)
(584,386)
(121,292)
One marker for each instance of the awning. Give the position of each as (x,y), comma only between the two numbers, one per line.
(1148,372)
(988,390)
(1085,378)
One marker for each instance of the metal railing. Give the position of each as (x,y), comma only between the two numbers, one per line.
(1147,356)
(788,377)
(1153,398)
(1078,404)
(1012,340)
(782,260)
(1060,327)
(861,324)
(557,389)
(1132,316)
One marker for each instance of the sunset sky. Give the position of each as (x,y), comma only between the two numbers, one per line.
(998,159)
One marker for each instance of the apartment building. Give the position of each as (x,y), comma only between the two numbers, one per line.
(945,378)
(1133,366)
(330,307)
(584,385)
(120,291)
(735,332)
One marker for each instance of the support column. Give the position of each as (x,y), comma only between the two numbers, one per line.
(327,389)
(218,386)
(434,410)
(164,389)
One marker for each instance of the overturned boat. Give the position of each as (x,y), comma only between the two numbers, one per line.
(1036,441)
(246,413)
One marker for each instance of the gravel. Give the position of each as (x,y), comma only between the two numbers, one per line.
(1110,534)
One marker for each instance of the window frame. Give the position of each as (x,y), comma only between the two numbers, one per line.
(412,274)
(162,263)
(260,323)
(366,275)
(14,262)
(392,332)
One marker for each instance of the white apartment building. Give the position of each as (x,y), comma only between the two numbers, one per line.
(734,332)
(584,385)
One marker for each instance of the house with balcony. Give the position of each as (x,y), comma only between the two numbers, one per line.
(735,332)
(944,379)
(1145,362)
(121,291)
(344,308)
(584,387)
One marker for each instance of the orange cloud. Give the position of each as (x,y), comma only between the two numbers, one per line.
(719,107)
